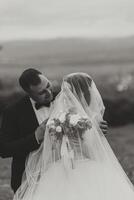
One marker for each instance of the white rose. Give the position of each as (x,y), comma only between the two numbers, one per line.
(74,119)
(50,122)
(62,117)
(58,129)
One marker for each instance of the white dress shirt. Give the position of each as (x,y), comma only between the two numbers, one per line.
(42,114)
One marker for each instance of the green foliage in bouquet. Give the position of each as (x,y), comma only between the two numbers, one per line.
(69,123)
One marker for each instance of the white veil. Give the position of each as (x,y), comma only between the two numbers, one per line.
(98,146)
(80,93)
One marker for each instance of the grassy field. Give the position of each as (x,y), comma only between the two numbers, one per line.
(121,140)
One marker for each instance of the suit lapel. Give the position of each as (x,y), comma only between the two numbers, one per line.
(28,120)
(30,110)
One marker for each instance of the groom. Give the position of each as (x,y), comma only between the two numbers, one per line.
(23,124)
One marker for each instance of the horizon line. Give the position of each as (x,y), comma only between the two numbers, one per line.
(64,38)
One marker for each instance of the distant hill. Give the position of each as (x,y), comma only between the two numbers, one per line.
(69,51)
(1,47)
(58,57)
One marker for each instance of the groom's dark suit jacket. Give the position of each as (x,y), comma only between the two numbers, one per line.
(17,137)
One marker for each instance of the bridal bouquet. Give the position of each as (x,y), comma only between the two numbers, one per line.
(70,124)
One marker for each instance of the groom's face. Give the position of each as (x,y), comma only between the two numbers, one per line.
(42,93)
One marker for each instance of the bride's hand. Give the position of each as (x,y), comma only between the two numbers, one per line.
(104,127)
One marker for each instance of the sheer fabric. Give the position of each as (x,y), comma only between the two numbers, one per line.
(58,161)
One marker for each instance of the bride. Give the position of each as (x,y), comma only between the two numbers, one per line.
(75,162)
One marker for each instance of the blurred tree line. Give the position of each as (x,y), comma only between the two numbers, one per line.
(119,111)
(119,106)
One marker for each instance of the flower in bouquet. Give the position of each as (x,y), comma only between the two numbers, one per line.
(69,123)
(55,128)
(79,125)
(74,119)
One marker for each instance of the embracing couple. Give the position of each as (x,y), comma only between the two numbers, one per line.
(56,136)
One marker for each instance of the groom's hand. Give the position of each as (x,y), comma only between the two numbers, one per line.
(104,127)
(40,131)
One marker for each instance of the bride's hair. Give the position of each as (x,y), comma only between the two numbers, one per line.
(80,83)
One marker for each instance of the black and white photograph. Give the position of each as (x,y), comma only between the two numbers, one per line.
(66,100)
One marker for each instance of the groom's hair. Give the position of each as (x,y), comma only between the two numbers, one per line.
(29,77)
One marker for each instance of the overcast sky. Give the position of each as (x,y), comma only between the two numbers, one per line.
(65,18)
